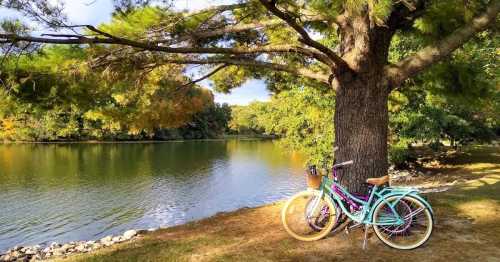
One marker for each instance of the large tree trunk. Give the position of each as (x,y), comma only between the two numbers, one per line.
(361,124)
(361,113)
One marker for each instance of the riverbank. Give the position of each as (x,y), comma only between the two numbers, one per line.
(55,250)
(467,228)
(143,141)
(65,193)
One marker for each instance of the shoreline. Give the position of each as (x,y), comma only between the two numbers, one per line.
(56,250)
(152,141)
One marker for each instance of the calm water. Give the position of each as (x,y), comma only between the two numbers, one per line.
(87,191)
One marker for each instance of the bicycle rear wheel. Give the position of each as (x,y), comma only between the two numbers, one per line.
(417,226)
(309,216)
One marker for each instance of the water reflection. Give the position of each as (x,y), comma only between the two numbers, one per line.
(68,192)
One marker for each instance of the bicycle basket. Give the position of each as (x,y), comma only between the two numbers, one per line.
(313,179)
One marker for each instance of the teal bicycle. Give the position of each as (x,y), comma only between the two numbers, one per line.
(400,217)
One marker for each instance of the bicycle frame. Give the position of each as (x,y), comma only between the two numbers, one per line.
(390,210)
(364,216)
(361,208)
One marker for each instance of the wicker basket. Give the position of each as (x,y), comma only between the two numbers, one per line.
(314,181)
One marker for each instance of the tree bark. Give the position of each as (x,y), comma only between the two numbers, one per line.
(361,128)
(361,114)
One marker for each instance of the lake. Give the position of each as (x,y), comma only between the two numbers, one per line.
(69,192)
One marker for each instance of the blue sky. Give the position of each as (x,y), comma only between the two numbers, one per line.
(99,11)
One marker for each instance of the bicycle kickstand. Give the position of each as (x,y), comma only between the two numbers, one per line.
(365,242)
(350,226)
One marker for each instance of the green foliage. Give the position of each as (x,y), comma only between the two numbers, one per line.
(456,102)
(135,23)
(57,95)
(54,95)
(210,123)
(400,153)
(248,119)
(229,78)
(381,10)
(302,116)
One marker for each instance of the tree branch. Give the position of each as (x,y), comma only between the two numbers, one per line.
(305,38)
(406,12)
(200,34)
(211,73)
(412,65)
(110,39)
(222,31)
(300,72)
(218,9)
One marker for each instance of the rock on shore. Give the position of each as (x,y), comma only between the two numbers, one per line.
(38,252)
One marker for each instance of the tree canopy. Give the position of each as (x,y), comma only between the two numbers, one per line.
(259,35)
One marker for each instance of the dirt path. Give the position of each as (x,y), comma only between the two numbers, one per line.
(467,229)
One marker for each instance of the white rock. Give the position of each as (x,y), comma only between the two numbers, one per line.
(80,248)
(58,252)
(30,251)
(16,254)
(6,257)
(129,234)
(66,247)
(106,239)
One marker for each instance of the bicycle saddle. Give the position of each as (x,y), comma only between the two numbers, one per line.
(378,181)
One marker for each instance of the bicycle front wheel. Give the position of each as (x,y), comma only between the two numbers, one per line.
(416,228)
(309,216)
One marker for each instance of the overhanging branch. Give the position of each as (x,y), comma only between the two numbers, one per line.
(412,65)
(300,72)
(211,73)
(337,61)
(110,39)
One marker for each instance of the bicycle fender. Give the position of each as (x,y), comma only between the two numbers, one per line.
(400,195)
(417,196)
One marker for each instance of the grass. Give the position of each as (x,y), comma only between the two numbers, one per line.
(467,228)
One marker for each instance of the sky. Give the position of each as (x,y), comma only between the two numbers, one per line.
(99,11)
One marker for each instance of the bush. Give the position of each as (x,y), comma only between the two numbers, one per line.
(400,154)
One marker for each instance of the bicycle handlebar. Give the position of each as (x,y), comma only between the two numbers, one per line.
(350,162)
